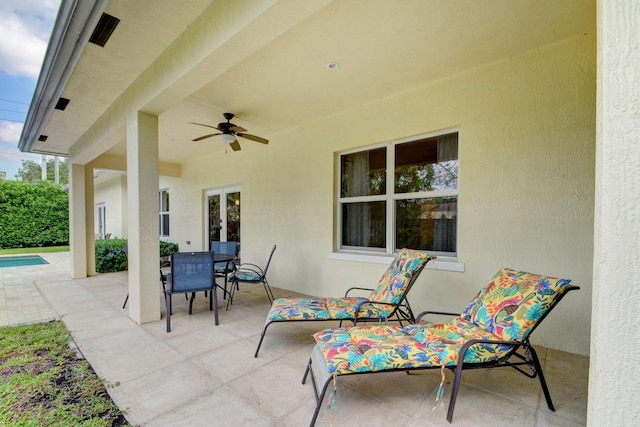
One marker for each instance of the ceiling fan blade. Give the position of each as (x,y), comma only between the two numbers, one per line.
(235,128)
(200,138)
(202,124)
(253,138)
(235,145)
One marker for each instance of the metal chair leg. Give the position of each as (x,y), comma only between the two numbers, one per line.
(543,382)
(167,301)
(264,331)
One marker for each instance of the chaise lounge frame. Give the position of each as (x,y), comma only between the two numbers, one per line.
(515,354)
(397,311)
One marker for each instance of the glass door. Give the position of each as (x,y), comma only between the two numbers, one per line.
(222,215)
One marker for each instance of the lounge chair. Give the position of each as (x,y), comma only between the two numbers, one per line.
(386,302)
(493,331)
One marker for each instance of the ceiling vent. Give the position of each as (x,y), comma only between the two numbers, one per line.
(42,138)
(62,103)
(106,25)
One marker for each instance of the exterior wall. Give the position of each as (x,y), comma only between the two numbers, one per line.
(613,388)
(527,157)
(111,189)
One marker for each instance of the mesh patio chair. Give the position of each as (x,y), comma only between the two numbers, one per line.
(388,301)
(492,332)
(223,269)
(251,273)
(191,272)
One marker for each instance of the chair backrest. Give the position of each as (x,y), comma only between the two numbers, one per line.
(266,267)
(191,271)
(514,302)
(230,248)
(399,277)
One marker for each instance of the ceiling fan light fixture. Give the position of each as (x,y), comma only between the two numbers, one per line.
(228,138)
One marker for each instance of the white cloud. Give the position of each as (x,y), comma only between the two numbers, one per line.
(25,26)
(10,132)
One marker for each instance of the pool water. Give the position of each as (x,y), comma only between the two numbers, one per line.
(21,261)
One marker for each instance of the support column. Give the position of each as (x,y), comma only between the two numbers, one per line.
(615,351)
(142,198)
(77,221)
(90,218)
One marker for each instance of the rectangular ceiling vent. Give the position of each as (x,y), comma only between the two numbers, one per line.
(106,25)
(62,103)
(42,138)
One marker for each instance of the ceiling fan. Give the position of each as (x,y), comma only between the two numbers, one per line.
(228,133)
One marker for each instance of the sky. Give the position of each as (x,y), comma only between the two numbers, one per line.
(25,28)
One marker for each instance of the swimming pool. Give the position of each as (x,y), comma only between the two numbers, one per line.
(21,261)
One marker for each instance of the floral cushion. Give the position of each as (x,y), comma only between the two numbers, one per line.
(285,309)
(245,276)
(290,309)
(447,339)
(505,310)
(394,282)
(372,348)
(390,289)
(513,302)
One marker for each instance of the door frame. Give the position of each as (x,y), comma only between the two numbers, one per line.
(222,192)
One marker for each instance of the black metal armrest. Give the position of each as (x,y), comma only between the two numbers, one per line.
(251,267)
(439,313)
(356,288)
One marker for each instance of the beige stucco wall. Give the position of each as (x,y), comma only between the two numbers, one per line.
(527,153)
(111,189)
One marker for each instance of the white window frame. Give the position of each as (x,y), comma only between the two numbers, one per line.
(163,213)
(101,219)
(382,255)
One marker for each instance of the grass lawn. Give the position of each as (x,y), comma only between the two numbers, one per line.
(43,382)
(34,250)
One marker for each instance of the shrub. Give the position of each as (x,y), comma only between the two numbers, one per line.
(33,215)
(110,256)
(167,248)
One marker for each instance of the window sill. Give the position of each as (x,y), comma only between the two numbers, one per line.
(441,263)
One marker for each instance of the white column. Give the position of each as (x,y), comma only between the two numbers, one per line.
(56,170)
(615,350)
(90,218)
(142,198)
(43,169)
(77,221)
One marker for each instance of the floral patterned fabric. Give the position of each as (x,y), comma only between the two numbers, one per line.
(391,289)
(511,304)
(505,310)
(372,348)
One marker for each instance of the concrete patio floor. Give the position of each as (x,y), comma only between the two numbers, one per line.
(205,375)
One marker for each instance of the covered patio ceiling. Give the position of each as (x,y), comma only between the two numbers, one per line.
(268,63)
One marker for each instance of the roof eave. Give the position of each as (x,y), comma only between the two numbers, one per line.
(71,31)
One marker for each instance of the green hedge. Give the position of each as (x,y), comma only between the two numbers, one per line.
(110,256)
(33,215)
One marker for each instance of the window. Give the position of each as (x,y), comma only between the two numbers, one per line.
(404,194)
(102,220)
(164,213)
